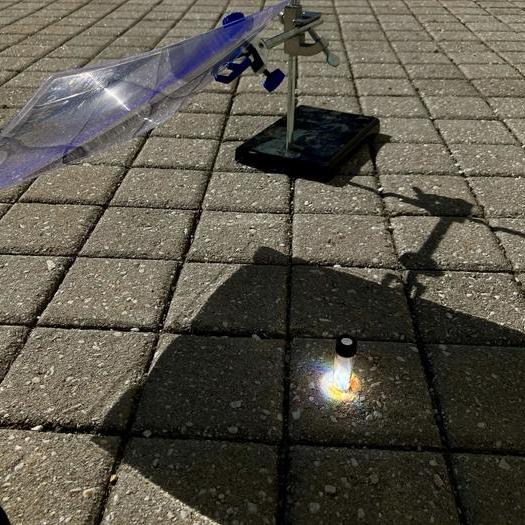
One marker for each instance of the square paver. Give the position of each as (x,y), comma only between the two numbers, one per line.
(27,283)
(337,485)
(46,229)
(60,379)
(518,128)
(458,107)
(490,160)
(491,488)
(366,303)
(12,193)
(412,130)
(415,158)
(445,87)
(391,404)
(248,192)
(140,233)
(230,298)
(185,394)
(342,239)
(242,127)
(384,86)
(192,125)
(439,195)
(468,307)
(392,106)
(474,132)
(161,188)
(449,243)
(117,293)
(486,71)
(241,237)
(433,71)
(163,152)
(511,234)
(75,185)
(58,476)
(480,391)
(356,196)
(500,196)
(11,340)
(508,107)
(194,482)
(122,155)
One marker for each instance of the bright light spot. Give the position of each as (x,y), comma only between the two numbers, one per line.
(343,372)
(331,391)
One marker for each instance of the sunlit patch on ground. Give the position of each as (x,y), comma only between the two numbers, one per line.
(331,392)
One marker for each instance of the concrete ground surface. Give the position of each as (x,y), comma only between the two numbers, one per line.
(168,315)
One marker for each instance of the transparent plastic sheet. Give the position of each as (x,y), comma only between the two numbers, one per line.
(84,111)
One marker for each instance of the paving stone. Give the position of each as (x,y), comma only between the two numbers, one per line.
(480,390)
(161,188)
(391,404)
(116,293)
(192,125)
(508,107)
(45,229)
(194,482)
(3,209)
(458,107)
(518,127)
(334,103)
(500,196)
(445,87)
(424,71)
(342,239)
(384,86)
(122,155)
(491,487)
(230,298)
(259,104)
(511,234)
(474,132)
(371,486)
(11,340)
(225,160)
(60,477)
(75,185)
(490,160)
(357,196)
(486,71)
(438,195)
(378,71)
(243,127)
(431,159)
(12,194)
(238,237)
(393,106)
(60,379)
(468,307)
(140,233)
(162,152)
(448,243)
(248,192)
(184,393)
(500,87)
(413,130)
(209,103)
(27,284)
(366,303)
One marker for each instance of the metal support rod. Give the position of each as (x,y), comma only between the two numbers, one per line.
(292,87)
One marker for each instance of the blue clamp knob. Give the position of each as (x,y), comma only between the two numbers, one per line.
(273,79)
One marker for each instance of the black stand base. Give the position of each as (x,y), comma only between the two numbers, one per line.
(321,142)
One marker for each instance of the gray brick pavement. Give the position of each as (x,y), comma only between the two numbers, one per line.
(167,315)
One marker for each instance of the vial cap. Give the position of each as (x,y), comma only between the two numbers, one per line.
(346,346)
